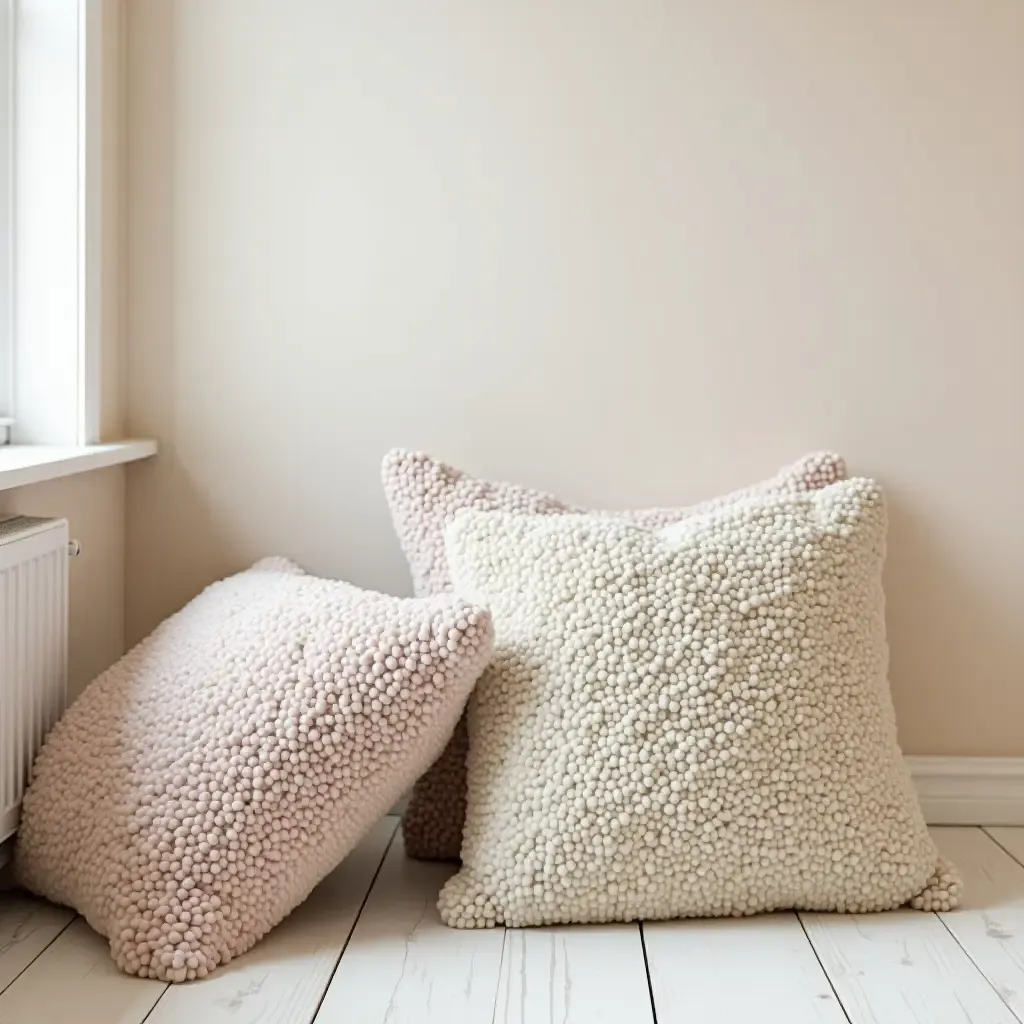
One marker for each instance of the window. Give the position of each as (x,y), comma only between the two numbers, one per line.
(6,220)
(59,72)
(50,219)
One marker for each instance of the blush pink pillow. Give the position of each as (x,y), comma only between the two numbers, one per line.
(424,495)
(199,789)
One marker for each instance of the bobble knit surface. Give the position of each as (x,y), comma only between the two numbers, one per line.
(424,495)
(694,721)
(198,790)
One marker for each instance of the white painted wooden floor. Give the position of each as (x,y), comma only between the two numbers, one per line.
(368,948)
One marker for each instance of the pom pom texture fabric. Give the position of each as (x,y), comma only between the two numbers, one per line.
(198,790)
(690,722)
(424,495)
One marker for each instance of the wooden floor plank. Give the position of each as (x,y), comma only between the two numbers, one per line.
(726,970)
(27,926)
(76,980)
(403,966)
(283,978)
(1010,839)
(990,924)
(902,967)
(584,974)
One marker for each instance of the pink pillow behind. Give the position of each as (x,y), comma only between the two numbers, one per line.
(424,495)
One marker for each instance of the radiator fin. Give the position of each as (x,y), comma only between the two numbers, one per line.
(33,649)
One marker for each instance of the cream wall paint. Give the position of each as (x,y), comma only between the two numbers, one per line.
(633,253)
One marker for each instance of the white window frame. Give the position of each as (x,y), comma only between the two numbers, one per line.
(56,218)
(7,71)
(64,80)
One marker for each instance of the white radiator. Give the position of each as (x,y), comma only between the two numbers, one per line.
(33,648)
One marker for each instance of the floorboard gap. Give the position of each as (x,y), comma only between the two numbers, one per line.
(1009,853)
(967,953)
(39,954)
(647,970)
(828,977)
(149,1013)
(501,965)
(355,924)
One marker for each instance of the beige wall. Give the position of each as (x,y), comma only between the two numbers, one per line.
(629,252)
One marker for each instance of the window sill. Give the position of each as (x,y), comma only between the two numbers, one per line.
(25,464)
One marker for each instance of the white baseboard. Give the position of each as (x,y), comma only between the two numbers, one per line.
(970,790)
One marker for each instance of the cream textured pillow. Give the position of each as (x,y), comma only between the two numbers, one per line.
(695,721)
(424,496)
(198,790)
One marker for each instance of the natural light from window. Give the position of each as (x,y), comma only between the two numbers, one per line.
(6,235)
